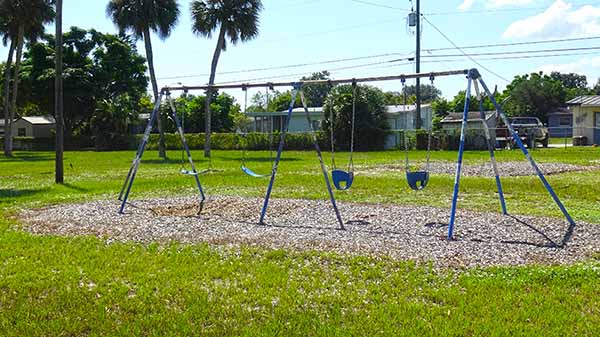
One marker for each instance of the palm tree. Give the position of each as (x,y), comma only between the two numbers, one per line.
(237,20)
(19,20)
(140,17)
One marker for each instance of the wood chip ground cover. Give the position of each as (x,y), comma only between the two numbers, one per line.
(402,232)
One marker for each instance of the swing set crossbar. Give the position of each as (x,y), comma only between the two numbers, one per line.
(333,82)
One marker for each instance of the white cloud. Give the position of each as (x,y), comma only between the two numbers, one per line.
(584,66)
(559,20)
(466,5)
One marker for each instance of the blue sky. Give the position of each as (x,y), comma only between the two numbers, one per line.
(308,31)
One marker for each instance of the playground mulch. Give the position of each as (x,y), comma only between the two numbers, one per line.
(506,169)
(400,232)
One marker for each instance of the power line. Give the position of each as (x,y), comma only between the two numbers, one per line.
(510,44)
(375,4)
(512,52)
(463,52)
(299,65)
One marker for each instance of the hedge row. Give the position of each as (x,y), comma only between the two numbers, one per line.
(442,140)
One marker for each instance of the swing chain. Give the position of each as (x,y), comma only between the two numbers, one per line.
(352,136)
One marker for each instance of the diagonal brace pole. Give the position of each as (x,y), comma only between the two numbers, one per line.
(490,146)
(461,150)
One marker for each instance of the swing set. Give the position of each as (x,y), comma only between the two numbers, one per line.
(343,179)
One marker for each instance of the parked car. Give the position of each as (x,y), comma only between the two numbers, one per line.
(530,129)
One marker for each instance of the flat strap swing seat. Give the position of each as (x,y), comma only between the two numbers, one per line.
(252,173)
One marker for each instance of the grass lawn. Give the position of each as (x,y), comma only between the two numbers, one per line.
(83,286)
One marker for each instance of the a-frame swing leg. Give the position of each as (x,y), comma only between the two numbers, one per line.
(138,157)
(187,150)
(527,154)
(263,213)
(475,76)
(461,149)
(490,146)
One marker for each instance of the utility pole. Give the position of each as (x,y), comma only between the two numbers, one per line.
(418,66)
(58,92)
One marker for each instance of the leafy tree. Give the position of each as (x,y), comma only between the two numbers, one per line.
(19,20)
(193,108)
(97,67)
(110,120)
(141,17)
(236,20)
(575,84)
(429,93)
(316,94)
(534,95)
(458,103)
(371,123)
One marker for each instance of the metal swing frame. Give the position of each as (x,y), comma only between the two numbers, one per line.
(128,184)
(472,76)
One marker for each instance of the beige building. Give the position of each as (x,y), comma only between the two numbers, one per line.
(34,126)
(586,118)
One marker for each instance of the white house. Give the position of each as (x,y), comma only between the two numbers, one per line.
(586,118)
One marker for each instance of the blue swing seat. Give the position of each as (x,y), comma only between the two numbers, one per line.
(253,174)
(342,180)
(417,180)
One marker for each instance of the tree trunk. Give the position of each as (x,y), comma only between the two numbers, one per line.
(11,52)
(150,58)
(211,81)
(13,105)
(58,91)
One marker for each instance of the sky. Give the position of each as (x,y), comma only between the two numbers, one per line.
(375,35)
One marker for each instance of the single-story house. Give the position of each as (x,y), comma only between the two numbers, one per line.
(400,117)
(560,123)
(475,126)
(31,126)
(586,118)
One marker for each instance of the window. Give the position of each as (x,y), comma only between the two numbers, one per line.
(22,132)
(565,121)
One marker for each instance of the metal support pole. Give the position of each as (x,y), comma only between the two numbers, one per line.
(187,150)
(527,154)
(490,146)
(140,153)
(263,212)
(461,150)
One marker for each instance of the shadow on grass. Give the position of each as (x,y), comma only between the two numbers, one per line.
(20,193)
(75,188)
(28,157)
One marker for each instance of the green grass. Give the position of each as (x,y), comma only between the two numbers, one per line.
(83,286)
